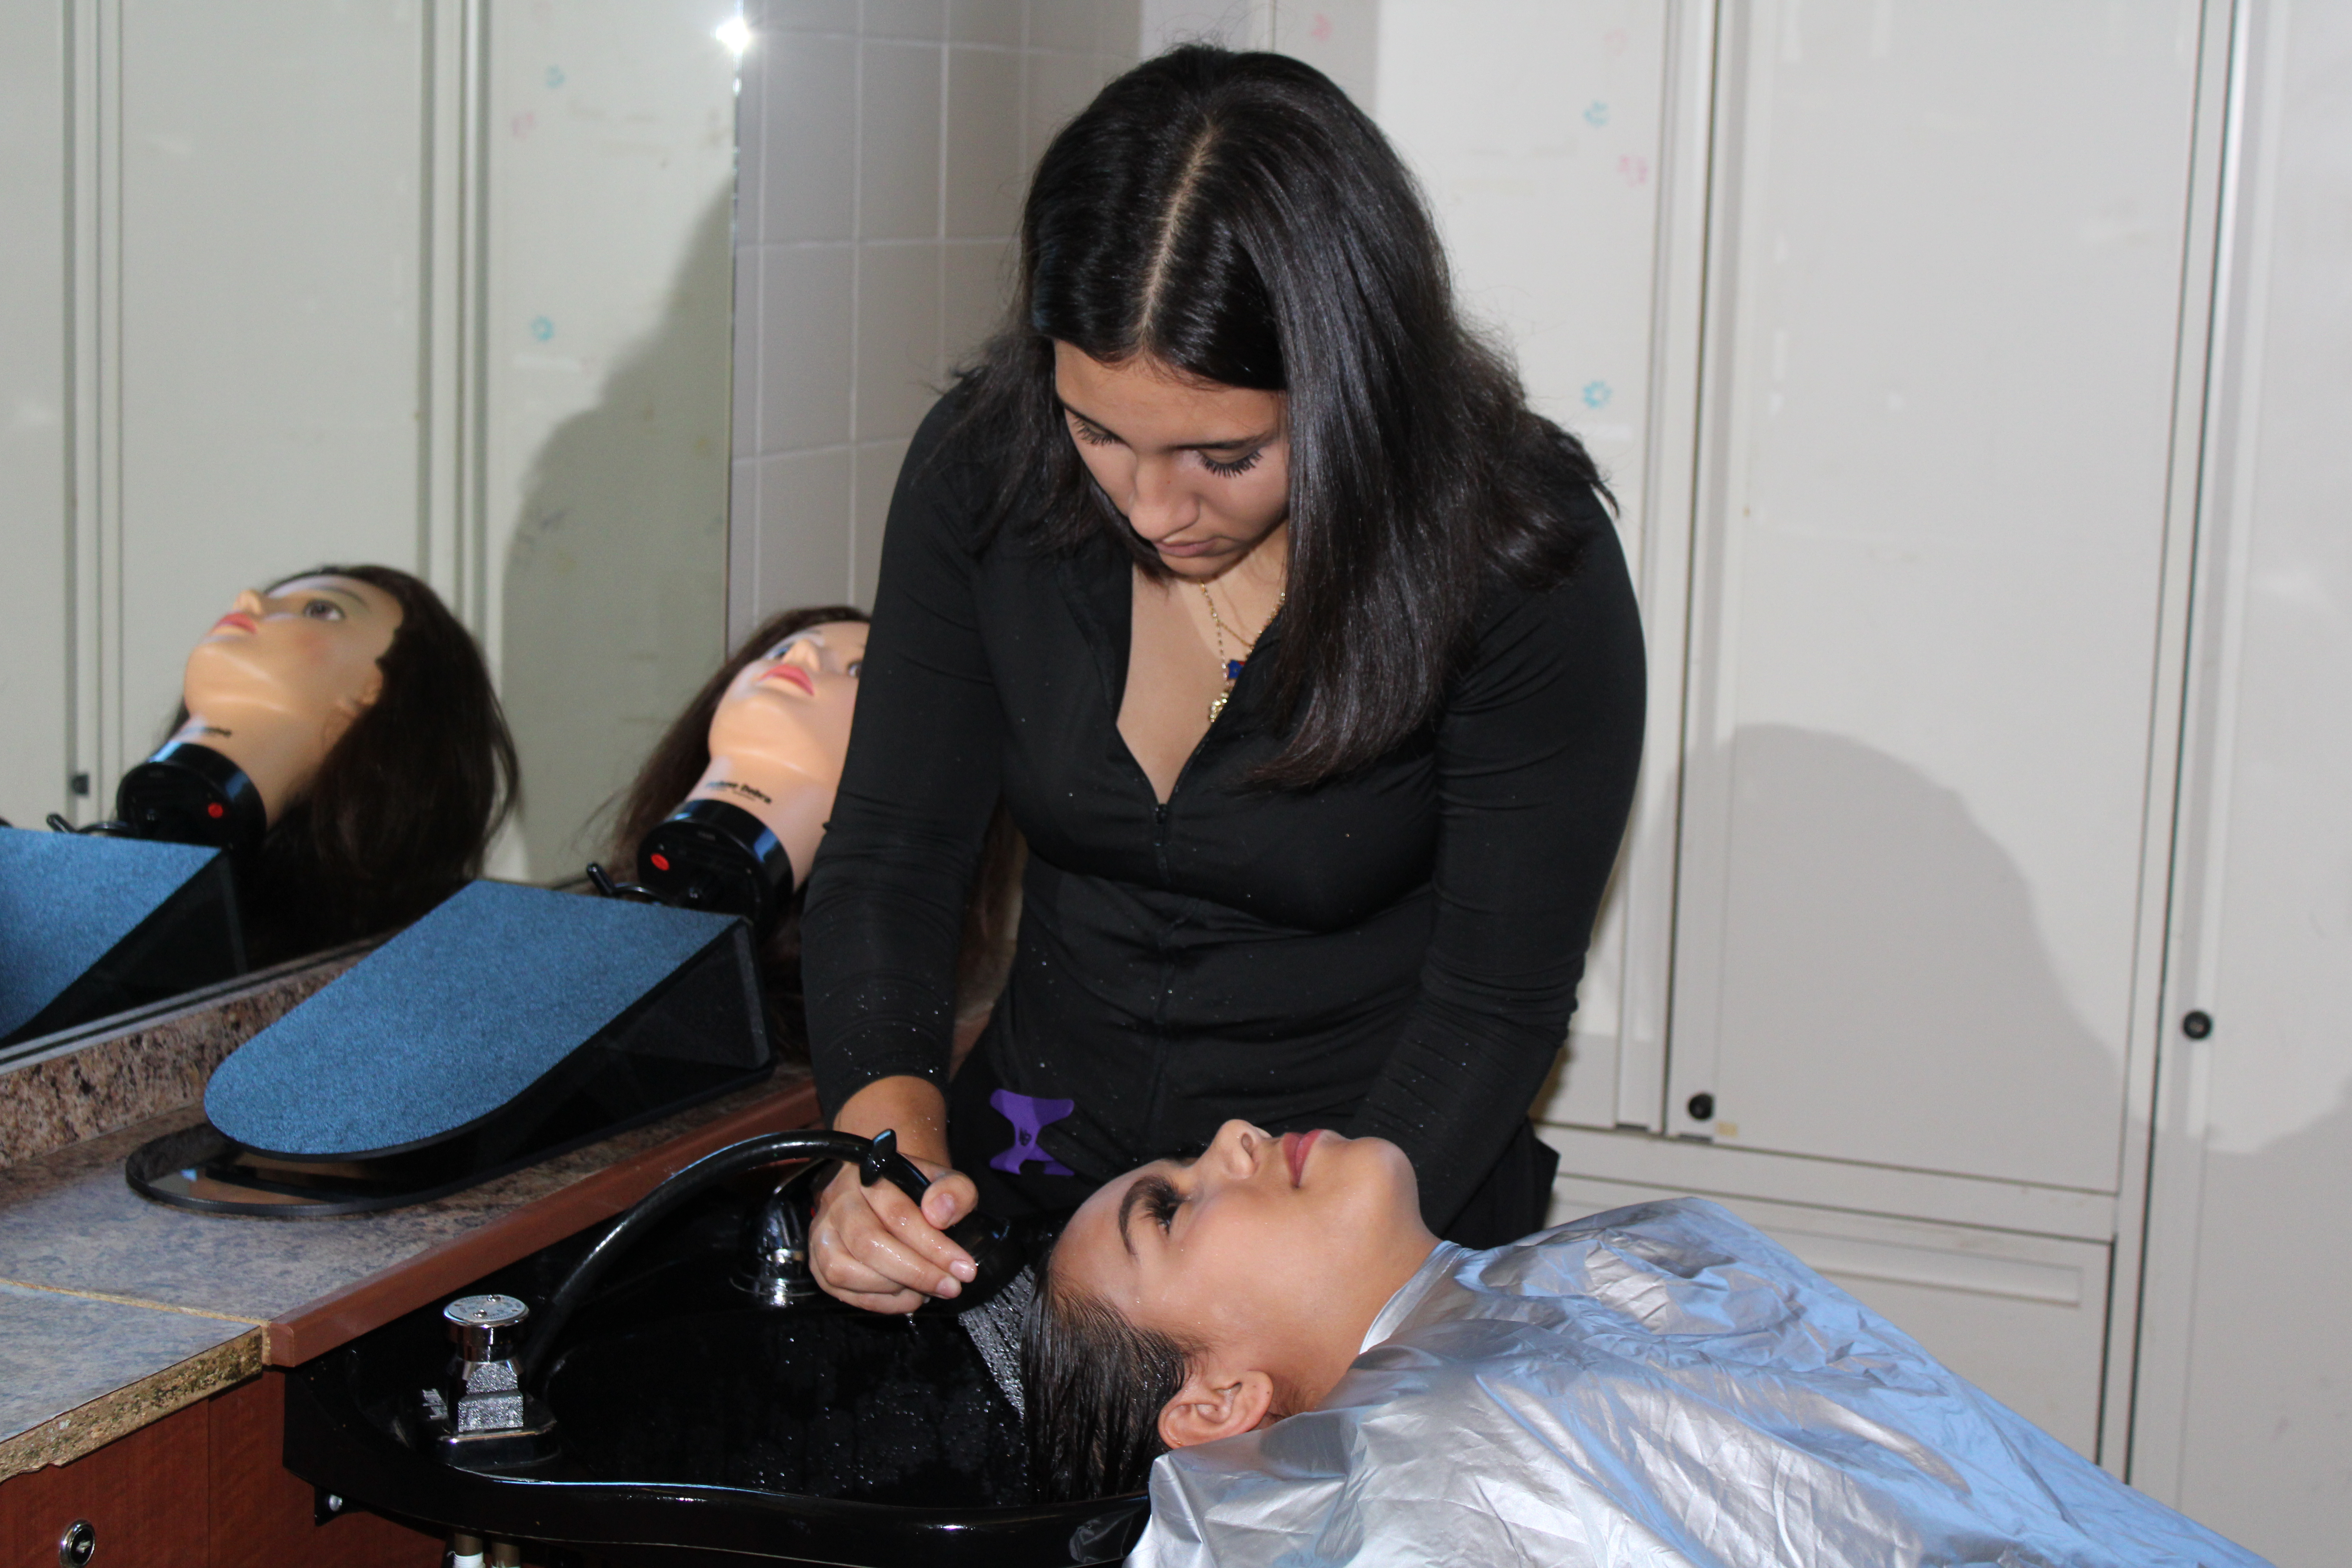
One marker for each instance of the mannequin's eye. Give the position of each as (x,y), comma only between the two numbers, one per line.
(323,610)
(856,667)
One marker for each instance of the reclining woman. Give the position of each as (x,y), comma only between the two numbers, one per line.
(1656,1385)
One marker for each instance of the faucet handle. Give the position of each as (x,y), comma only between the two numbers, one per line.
(486,1328)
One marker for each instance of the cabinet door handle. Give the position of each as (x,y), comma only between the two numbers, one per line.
(78,1545)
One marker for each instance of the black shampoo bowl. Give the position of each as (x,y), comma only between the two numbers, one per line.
(693,1425)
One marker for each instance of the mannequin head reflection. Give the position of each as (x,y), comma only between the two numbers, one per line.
(284,675)
(362,713)
(780,732)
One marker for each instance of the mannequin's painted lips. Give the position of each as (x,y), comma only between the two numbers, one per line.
(1295,1147)
(236,620)
(792,675)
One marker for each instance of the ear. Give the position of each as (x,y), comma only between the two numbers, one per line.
(371,687)
(1214,1406)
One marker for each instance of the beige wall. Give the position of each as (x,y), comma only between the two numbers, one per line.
(884,149)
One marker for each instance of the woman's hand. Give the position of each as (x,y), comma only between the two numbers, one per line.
(873,1246)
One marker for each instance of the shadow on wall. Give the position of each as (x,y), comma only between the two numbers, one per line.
(615,593)
(1884,992)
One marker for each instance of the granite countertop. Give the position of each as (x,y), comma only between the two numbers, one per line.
(115,1311)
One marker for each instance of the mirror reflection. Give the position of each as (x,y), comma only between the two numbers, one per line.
(445,297)
(342,722)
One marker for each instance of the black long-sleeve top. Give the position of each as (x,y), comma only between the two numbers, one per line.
(1395,952)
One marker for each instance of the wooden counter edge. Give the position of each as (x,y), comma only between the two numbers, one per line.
(337,1319)
(85,1428)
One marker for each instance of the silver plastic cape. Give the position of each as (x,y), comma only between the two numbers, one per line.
(1656,1386)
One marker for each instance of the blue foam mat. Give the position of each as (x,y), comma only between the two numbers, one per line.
(68,899)
(449,1020)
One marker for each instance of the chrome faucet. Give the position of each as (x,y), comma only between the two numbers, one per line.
(780,1253)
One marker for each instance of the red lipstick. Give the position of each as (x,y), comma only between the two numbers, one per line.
(792,673)
(237,619)
(1294,1148)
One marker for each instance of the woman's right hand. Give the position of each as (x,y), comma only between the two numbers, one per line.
(874,1246)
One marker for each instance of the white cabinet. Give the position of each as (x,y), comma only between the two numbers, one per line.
(1945,297)
(1926,291)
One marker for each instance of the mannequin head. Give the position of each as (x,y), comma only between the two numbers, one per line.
(785,712)
(280,678)
(682,756)
(1192,1299)
(756,706)
(388,763)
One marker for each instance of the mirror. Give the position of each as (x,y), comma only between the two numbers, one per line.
(471,292)
(444,289)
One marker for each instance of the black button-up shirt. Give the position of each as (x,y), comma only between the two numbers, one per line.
(1394,952)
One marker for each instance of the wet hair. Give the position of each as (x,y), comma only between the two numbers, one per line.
(677,765)
(1095,1384)
(1236,218)
(401,811)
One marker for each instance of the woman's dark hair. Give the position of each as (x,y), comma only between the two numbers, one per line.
(677,765)
(403,808)
(1236,218)
(1095,1385)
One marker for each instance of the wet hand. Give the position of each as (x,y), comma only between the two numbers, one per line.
(874,1248)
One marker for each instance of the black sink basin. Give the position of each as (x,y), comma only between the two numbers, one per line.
(832,1404)
(694,1427)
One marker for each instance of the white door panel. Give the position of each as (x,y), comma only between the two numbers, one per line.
(2243,1414)
(1930,540)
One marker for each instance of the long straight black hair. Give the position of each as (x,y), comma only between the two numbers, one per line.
(1236,218)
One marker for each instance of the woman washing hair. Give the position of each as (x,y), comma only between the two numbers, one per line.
(1301,651)
(1658,1386)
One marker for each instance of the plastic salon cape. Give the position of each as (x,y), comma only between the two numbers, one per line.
(1654,1385)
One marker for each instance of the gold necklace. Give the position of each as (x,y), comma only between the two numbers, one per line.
(1232,667)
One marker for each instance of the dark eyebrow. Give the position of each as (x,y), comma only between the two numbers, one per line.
(1137,1191)
(1259,440)
(344,593)
(1128,1199)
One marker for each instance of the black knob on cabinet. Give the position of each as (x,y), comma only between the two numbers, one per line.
(2197,1025)
(1701,1107)
(78,1545)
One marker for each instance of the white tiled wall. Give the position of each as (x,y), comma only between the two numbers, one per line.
(882,145)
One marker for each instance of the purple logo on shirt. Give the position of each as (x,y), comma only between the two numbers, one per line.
(1029,1116)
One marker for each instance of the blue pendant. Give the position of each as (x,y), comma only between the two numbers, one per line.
(1234,669)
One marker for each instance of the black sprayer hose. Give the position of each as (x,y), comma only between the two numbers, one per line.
(769,1149)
